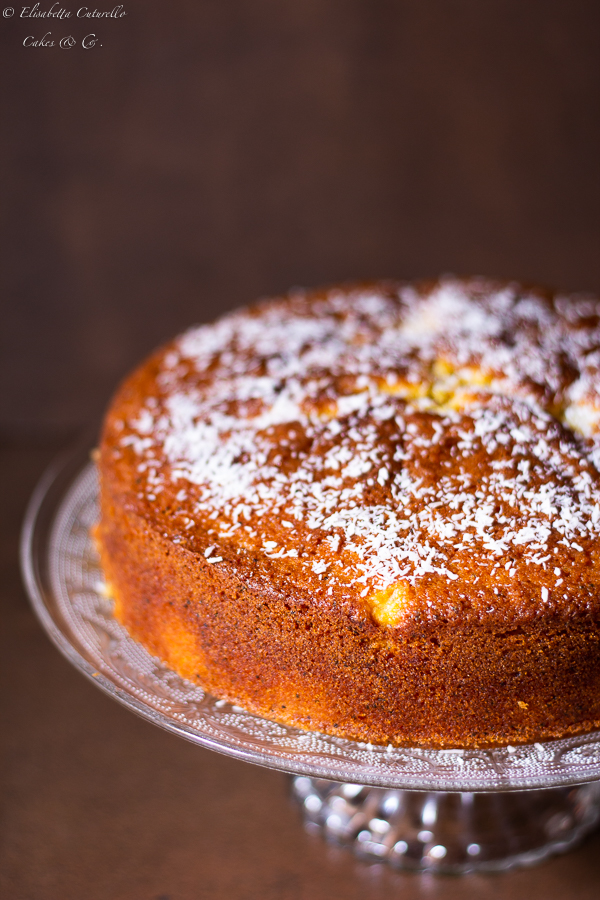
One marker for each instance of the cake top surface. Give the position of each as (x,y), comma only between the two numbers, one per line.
(419,451)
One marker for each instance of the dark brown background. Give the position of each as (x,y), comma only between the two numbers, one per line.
(211,152)
(208,153)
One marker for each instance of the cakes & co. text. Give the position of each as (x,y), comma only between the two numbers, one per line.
(57,12)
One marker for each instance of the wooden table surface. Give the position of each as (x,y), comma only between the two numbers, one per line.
(101,805)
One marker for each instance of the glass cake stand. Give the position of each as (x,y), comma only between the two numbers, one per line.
(442,810)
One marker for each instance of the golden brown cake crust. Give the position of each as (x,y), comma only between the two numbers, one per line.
(372,511)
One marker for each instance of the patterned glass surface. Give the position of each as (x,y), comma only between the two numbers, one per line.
(66,586)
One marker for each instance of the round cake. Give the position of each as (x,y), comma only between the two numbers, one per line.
(371,510)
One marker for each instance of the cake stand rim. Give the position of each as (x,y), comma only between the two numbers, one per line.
(70,466)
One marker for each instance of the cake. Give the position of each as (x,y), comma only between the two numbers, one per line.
(371,510)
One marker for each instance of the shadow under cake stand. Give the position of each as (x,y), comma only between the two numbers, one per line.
(442,810)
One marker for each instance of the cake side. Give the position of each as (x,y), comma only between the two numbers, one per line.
(342,512)
(284,657)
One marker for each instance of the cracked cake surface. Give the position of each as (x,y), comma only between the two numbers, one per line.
(372,510)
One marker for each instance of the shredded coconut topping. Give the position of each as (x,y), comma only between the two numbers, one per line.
(386,435)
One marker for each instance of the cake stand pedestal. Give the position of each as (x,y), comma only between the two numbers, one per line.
(443,810)
(448,832)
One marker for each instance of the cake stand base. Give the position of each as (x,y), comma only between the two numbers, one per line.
(449,832)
